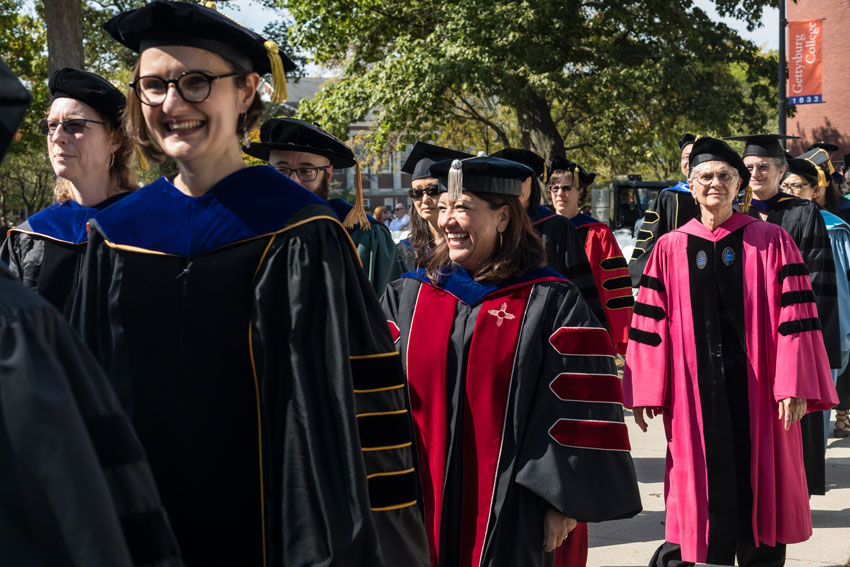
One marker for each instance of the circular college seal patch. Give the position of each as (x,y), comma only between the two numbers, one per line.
(702,259)
(728,256)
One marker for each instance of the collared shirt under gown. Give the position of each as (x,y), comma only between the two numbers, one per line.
(725,325)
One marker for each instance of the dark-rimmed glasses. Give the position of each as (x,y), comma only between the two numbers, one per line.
(430,190)
(71,126)
(564,188)
(192,86)
(795,186)
(303,173)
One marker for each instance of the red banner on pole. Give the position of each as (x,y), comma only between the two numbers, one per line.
(805,61)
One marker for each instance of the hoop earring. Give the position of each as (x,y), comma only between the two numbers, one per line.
(501,240)
(111,161)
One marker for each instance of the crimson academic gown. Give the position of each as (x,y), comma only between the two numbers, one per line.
(565,254)
(250,352)
(516,402)
(725,326)
(611,274)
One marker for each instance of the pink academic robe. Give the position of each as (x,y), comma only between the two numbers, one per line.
(785,357)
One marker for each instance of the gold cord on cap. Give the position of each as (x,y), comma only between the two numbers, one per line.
(748,198)
(278,73)
(140,157)
(357,215)
(821,175)
(276,63)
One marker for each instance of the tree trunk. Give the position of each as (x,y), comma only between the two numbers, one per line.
(64,22)
(537,128)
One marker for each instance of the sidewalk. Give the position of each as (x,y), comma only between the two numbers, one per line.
(632,542)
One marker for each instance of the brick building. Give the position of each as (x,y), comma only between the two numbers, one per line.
(828,121)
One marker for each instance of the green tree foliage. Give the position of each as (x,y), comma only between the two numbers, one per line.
(612,82)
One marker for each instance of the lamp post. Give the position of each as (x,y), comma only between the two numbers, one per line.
(782,100)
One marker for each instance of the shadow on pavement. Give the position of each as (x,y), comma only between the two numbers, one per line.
(646,526)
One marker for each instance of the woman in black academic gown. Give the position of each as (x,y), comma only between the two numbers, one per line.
(514,391)
(415,250)
(229,310)
(91,157)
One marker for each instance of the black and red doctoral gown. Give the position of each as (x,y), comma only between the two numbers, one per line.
(75,485)
(518,408)
(803,221)
(249,350)
(611,274)
(566,255)
(46,251)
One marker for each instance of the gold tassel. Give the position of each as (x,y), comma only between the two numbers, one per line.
(210,5)
(140,157)
(278,73)
(748,198)
(545,172)
(821,178)
(456,181)
(357,215)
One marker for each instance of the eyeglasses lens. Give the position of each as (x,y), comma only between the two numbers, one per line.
(49,127)
(192,87)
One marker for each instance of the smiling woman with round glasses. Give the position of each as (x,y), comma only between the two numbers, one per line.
(228,307)
(725,345)
(91,158)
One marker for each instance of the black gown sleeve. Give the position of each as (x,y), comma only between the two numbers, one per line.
(578,270)
(575,453)
(344,484)
(805,224)
(672,209)
(74,480)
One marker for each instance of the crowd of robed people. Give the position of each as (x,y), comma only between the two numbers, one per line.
(235,393)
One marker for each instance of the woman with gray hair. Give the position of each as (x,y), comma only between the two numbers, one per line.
(726,346)
(90,155)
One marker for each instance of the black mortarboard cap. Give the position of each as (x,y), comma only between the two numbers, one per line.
(806,169)
(90,89)
(424,155)
(293,135)
(686,139)
(14,100)
(527,158)
(819,158)
(163,22)
(763,145)
(711,149)
(585,177)
(558,163)
(829,147)
(481,175)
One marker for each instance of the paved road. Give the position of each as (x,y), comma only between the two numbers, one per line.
(632,542)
